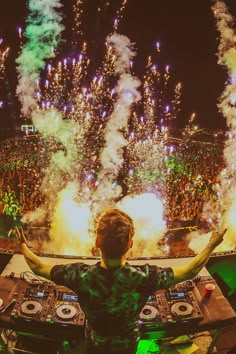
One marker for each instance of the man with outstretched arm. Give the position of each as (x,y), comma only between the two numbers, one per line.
(112,292)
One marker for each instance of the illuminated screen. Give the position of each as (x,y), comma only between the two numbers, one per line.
(152,298)
(175,295)
(68,297)
(37,294)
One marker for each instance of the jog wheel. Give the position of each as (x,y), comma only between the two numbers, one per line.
(66,312)
(31,308)
(182,309)
(149,313)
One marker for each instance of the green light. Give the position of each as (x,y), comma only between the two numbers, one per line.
(49,320)
(145,346)
(26,334)
(65,345)
(225,269)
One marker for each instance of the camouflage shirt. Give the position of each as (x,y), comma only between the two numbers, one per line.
(112,298)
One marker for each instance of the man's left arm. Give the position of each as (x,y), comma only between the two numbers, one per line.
(199,261)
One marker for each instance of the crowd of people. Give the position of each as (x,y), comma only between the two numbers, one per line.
(192,181)
(192,174)
(20,166)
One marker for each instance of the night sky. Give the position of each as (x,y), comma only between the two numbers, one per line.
(187,33)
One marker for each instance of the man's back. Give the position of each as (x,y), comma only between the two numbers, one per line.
(112,298)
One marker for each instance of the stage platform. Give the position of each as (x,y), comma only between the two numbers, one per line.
(217,312)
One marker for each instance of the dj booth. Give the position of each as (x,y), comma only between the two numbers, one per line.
(39,307)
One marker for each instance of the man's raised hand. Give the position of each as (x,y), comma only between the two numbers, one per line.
(217,237)
(21,236)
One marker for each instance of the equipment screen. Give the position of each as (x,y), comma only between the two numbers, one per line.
(37,294)
(175,295)
(68,297)
(152,298)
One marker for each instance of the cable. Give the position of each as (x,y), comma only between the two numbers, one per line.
(188,285)
(30,277)
(224,330)
(201,335)
(10,335)
(34,279)
(220,349)
(197,278)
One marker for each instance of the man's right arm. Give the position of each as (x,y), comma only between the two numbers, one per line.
(34,262)
(199,261)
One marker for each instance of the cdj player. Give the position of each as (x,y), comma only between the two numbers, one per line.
(43,304)
(66,309)
(46,307)
(168,308)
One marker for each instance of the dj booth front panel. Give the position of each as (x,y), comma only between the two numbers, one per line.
(44,308)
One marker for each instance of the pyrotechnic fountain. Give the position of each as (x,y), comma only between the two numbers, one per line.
(3,56)
(108,133)
(221,212)
(90,128)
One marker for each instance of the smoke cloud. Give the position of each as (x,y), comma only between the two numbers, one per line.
(111,156)
(64,163)
(43,33)
(222,212)
(66,205)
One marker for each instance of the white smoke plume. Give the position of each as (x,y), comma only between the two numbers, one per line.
(222,212)
(111,156)
(43,33)
(63,163)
